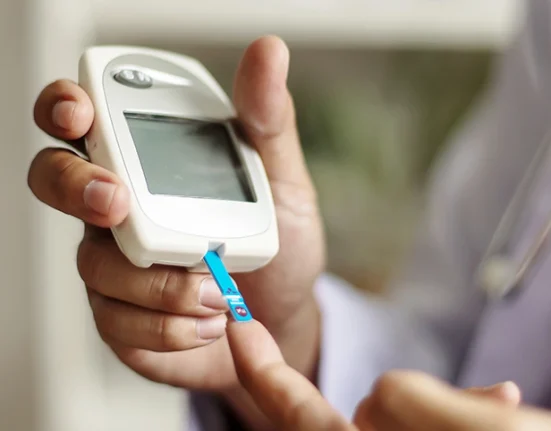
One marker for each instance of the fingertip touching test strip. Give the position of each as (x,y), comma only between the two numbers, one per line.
(238,309)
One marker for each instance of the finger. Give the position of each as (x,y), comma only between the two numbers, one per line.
(266,111)
(367,415)
(94,232)
(287,398)
(152,330)
(107,271)
(70,184)
(507,392)
(413,401)
(64,110)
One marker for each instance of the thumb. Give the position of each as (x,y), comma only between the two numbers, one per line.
(415,401)
(266,112)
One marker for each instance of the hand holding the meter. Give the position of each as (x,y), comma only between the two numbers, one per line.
(166,323)
(400,401)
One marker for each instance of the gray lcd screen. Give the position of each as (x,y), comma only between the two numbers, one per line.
(190,158)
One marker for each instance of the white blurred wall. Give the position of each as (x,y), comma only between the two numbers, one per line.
(341,23)
(17,406)
(55,374)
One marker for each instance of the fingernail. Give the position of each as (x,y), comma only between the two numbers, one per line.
(509,384)
(508,387)
(502,385)
(98,196)
(63,113)
(212,327)
(210,296)
(512,392)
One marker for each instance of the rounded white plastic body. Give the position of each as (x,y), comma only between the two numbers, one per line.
(174,230)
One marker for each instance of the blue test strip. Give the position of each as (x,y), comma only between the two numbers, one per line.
(238,308)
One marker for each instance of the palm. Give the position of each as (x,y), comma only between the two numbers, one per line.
(283,285)
(286,282)
(276,292)
(207,368)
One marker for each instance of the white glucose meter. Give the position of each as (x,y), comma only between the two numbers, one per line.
(164,126)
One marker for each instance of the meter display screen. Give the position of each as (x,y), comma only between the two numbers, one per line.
(189,158)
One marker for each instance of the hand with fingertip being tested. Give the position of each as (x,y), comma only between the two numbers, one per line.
(400,400)
(163,322)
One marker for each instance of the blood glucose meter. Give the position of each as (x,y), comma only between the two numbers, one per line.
(164,126)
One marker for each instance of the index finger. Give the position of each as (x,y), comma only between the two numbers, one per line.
(284,395)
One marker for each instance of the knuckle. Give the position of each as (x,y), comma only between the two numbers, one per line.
(388,381)
(106,338)
(386,388)
(33,174)
(269,372)
(363,406)
(295,415)
(62,89)
(64,168)
(104,327)
(90,262)
(297,412)
(104,318)
(164,287)
(58,85)
(166,330)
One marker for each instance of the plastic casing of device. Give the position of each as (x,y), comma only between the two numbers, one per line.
(174,230)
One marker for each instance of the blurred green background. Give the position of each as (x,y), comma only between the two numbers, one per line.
(372,123)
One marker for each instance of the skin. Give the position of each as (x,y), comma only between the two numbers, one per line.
(164,322)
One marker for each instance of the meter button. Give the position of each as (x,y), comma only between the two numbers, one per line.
(141,77)
(133,78)
(127,75)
